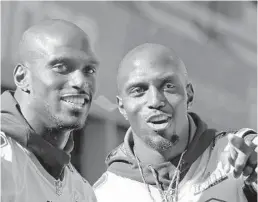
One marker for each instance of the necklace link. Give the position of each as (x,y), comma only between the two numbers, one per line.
(169,195)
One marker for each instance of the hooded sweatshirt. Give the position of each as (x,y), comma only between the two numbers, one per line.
(201,178)
(26,157)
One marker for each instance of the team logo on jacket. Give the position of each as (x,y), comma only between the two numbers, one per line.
(213,179)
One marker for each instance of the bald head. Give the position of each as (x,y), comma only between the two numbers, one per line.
(41,39)
(149,55)
(56,62)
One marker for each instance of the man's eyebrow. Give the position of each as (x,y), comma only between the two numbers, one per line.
(132,84)
(70,60)
(94,62)
(60,59)
(168,76)
(140,82)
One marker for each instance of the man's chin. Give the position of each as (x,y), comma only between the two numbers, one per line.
(72,124)
(159,143)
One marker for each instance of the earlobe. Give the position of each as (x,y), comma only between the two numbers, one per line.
(190,95)
(20,75)
(121,107)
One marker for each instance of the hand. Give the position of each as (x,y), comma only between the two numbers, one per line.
(242,155)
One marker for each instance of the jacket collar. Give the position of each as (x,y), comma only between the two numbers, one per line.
(15,126)
(122,161)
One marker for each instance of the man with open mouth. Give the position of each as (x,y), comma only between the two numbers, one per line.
(170,154)
(55,80)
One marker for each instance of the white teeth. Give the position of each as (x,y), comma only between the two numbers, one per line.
(74,100)
(159,118)
(162,126)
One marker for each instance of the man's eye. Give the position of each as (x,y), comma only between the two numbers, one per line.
(137,91)
(60,68)
(169,86)
(90,69)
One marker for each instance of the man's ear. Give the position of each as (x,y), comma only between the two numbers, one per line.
(190,95)
(21,77)
(121,107)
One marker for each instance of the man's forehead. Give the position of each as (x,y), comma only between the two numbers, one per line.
(56,33)
(45,45)
(68,52)
(160,58)
(140,67)
(150,60)
(146,74)
(50,44)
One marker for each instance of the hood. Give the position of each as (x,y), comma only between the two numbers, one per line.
(122,161)
(14,125)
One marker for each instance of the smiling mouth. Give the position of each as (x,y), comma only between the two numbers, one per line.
(76,100)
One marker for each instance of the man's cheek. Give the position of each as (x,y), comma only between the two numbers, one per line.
(52,79)
(178,103)
(93,86)
(131,113)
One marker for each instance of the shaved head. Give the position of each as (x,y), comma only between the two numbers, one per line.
(56,60)
(149,54)
(41,39)
(154,96)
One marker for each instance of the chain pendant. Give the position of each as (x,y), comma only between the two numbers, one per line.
(59,187)
(169,196)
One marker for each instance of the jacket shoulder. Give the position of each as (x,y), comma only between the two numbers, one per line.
(9,171)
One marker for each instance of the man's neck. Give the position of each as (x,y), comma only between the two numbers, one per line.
(56,137)
(148,155)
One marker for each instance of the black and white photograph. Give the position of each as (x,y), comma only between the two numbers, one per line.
(128,101)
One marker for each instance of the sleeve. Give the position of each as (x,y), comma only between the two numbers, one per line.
(8,185)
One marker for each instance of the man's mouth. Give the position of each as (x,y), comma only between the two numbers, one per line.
(159,122)
(76,100)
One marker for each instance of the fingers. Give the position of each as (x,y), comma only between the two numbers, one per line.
(252,177)
(239,152)
(240,163)
(255,142)
(239,144)
(252,162)
(247,170)
(224,158)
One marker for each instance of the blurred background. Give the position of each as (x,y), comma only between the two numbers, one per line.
(216,40)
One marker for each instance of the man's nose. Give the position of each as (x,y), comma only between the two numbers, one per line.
(156,99)
(78,80)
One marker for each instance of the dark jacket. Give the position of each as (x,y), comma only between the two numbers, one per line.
(14,125)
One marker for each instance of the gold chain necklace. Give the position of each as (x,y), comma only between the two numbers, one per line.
(59,187)
(59,183)
(169,195)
